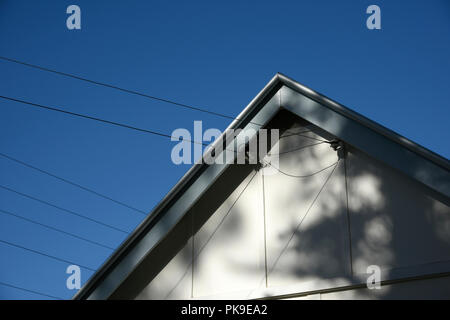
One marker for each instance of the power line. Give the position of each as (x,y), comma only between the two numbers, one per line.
(226,214)
(72,183)
(302,135)
(44,254)
(293,150)
(301,221)
(133,92)
(54,229)
(129,126)
(304,216)
(63,209)
(211,235)
(297,227)
(31,291)
(304,176)
(118,124)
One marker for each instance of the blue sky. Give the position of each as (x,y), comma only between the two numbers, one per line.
(211,54)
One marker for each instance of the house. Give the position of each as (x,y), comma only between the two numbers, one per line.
(350,203)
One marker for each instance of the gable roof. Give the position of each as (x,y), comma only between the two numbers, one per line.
(281,92)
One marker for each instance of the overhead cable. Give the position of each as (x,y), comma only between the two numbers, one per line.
(54,229)
(72,183)
(62,209)
(133,92)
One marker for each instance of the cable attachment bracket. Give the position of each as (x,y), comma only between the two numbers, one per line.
(339,147)
(261,165)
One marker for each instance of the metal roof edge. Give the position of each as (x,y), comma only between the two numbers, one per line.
(85,290)
(322,99)
(278,80)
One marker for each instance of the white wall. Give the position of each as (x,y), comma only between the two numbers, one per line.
(293,239)
(395,222)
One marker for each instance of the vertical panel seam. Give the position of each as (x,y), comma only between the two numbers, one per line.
(348,216)
(265,233)
(192,256)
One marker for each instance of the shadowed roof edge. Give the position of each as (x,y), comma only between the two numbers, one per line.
(271,88)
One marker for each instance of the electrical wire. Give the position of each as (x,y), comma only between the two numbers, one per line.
(293,150)
(303,218)
(118,124)
(212,234)
(129,127)
(63,209)
(300,134)
(100,120)
(45,254)
(72,183)
(133,92)
(31,291)
(304,176)
(55,229)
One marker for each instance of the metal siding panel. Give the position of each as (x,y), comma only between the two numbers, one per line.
(306,225)
(173,214)
(229,247)
(395,221)
(373,143)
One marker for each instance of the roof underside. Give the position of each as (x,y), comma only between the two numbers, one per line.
(281,92)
